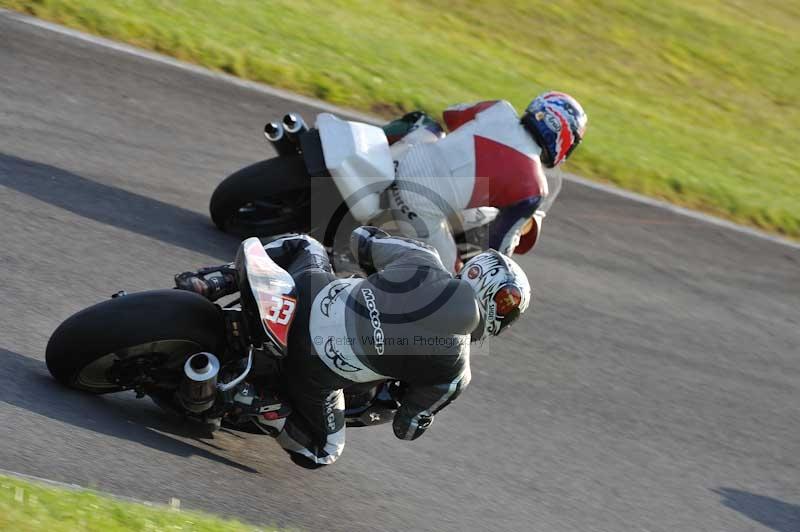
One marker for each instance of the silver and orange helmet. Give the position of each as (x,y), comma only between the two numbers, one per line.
(501,288)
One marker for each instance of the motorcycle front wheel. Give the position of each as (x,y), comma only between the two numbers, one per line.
(264,199)
(159,327)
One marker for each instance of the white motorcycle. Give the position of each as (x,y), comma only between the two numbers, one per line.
(322,179)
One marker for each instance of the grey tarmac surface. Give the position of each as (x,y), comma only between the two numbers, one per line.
(655,386)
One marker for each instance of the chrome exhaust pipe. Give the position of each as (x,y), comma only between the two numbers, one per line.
(273,131)
(294,125)
(276,135)
(198,389)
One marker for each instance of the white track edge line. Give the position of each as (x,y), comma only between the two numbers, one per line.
(682,211)
(195,69)
(324,106)
(75,487)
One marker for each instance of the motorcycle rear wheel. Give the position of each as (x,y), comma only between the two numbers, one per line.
(264,199)
(160,326)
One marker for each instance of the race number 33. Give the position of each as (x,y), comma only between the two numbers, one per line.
(281,310)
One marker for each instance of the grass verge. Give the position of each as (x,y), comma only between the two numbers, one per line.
(32,507)
(694,102)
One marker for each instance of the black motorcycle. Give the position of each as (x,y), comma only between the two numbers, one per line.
(197,358)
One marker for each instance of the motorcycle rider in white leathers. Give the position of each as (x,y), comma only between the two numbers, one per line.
(490,158)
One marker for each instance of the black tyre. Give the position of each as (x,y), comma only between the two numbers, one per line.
(163,325)
(264,199)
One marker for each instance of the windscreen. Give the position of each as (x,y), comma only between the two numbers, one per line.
(554,182)
(272,288)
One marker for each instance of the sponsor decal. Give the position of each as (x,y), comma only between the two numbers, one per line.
(552,122)
(338,359)
(491,318)
(394,190)
(474,272)
(330,416)
(333,292)
(374,319)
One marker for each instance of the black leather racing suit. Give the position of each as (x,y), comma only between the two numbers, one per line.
(409,320)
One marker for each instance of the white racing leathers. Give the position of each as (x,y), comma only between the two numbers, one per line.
(487,160)
(409,321)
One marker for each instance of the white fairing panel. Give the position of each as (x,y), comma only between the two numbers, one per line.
(358,157)
(273,290)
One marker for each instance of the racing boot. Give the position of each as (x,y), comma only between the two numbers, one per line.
(212,283)
(264,408)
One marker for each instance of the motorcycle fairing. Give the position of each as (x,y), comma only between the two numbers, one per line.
(273,290)
(359,160)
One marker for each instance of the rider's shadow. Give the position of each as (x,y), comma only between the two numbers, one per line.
(28,385)
(117,207)
(773,513)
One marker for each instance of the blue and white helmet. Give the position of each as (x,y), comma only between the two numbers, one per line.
(557,123)
(501,288)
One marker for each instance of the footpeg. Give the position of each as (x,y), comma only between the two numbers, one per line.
(269,407)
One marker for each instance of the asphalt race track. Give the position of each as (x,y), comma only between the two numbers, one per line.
(655,386)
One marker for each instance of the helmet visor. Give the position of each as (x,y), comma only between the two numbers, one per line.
(507,301)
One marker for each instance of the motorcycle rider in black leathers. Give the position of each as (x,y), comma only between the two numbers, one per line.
(409,320)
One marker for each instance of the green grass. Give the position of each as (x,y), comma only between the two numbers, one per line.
(32,507)
(692,101)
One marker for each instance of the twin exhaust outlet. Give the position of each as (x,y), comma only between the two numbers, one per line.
(283,135)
